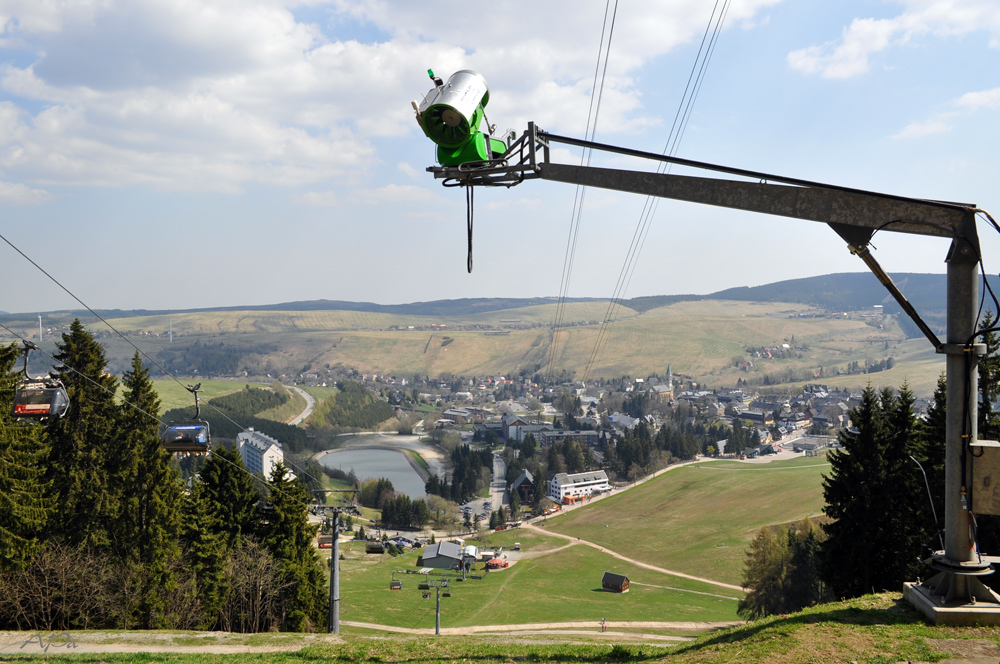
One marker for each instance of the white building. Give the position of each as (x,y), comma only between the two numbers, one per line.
(260,452)
(577,485)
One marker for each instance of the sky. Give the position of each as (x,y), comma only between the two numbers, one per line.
(173,154)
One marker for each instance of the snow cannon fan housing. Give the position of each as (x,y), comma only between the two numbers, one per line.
(450,115)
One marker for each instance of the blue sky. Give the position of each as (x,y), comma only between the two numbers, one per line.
(177,153)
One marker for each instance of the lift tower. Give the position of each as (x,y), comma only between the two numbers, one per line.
(954,595)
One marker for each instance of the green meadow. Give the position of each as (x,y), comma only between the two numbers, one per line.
(698,519)
(552,582)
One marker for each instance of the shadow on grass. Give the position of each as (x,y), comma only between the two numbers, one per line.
(899,613)
(402,651)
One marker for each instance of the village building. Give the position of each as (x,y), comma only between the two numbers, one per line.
(549,437)
(524,487)
(260,452)
(565,487)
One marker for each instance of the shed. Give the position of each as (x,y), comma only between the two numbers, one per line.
(443,555)
(615,582)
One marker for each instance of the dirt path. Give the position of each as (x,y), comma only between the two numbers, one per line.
(591,626)
(216,643)
(633,561)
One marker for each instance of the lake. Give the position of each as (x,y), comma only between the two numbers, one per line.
(376,463)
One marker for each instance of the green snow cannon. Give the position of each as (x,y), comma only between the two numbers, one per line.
(450,116)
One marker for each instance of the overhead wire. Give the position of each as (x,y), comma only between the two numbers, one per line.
(146,413)
(681,117)
(138,350)
(593,112)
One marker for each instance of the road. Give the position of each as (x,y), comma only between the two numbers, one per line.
(498,487)
(310,405)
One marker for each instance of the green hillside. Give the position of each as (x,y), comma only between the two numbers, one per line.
(704,338)
(554,583)
(699,518)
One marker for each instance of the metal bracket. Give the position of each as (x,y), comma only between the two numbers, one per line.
(960,349)
(518,163)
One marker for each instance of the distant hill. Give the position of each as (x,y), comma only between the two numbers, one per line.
(849,291)
(852,291)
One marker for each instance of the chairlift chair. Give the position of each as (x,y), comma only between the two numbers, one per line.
(395,584)
(192,435)
(38,398)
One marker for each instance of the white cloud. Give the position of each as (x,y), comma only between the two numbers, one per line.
(21,194)
(318,198)
(921,129)
(851,55)
(973,101)
(415,174)
(218,95)
(964,106)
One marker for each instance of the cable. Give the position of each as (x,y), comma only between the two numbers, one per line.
(649,208)
(85,376)
(596,95)
(129,341)
(677,130)
(151,416)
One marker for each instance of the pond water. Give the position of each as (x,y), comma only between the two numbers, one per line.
(374,463)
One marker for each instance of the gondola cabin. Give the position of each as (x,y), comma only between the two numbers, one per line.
(40,399)
(187,436)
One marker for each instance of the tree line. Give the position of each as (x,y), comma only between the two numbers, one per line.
(471,472)
(881,522)
(353,407)
(97,529)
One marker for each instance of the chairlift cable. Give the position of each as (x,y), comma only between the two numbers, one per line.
(649,206)
(145,412)
(593,112)
(677,130)
(129,341)
(654,202)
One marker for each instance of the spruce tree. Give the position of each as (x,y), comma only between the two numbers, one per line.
(874,496)
(231,495)
(288,536)
(80,442)
(851,491)
(203,552)
(25,503)
(148,489)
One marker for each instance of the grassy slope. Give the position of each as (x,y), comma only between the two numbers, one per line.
(173,395)
(876,629)
(698,339)
(296,404)
(557,587)
(698,519)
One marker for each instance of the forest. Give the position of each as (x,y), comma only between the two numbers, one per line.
(98,530)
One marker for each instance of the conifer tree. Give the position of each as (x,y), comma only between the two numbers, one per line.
(148,490)
(231,495)
(203,552)
(931,437)
(25,503)
(872,495)
(288,536)
(78,460)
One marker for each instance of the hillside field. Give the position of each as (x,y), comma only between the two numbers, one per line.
(555,582)
(699,518)
(702,340)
